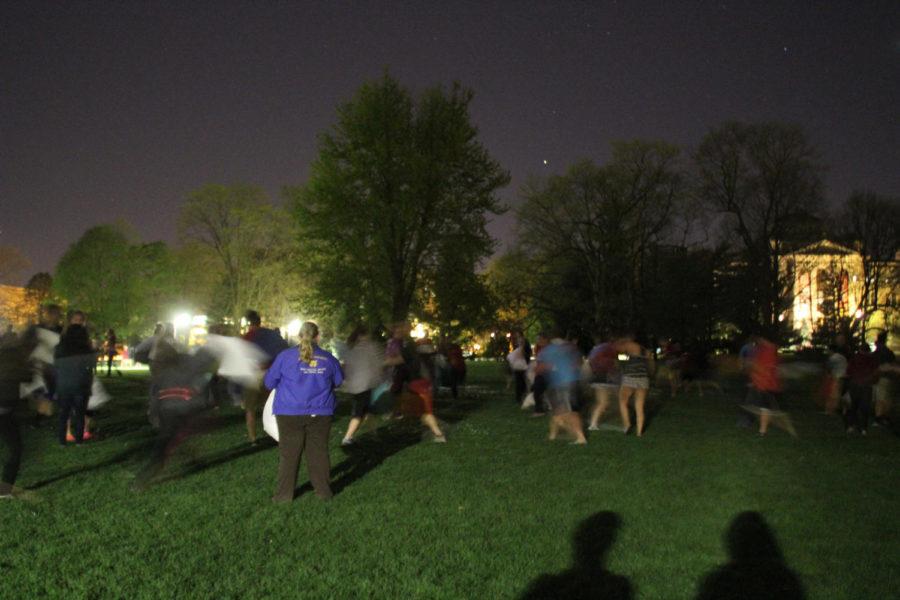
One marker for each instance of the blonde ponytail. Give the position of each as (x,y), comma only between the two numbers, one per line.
(309,331)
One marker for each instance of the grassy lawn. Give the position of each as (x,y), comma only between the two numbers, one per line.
(482,516)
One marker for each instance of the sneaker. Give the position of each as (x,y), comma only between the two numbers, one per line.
(70,437)
(439,439)
(594,428)
(347,442)
(6,491)
(862,432)
(88,436)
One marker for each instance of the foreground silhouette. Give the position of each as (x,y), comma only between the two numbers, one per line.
(588,577)
(755,568)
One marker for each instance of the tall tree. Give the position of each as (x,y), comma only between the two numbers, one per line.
(250,244)
(762,178)
(398,185)
(96,276)
(592,229)
(871,222)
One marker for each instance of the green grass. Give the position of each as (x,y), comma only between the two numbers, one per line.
(479,517)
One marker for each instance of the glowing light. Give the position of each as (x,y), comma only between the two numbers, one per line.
(781,318)
(858,314)
(293,328)
(493,335)
(477,347)
(418,331)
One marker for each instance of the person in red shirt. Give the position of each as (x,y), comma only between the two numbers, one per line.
(862,373)
(765,384)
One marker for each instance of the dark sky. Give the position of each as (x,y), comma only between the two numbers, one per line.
(117,110)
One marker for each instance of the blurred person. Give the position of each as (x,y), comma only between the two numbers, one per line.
(887,361)
(363,372)
(304,379)
(635,363)
(253,397)
(765,386)
(413,378)
(74,359)
(456,365)
(518,360)
(46,336)
(560,365)
(672,362)
(862,374)
(15,369)
(605,379)
(110,351)
(181,385)
(834,384)
(539,385)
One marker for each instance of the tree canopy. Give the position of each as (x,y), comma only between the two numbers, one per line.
(398,198)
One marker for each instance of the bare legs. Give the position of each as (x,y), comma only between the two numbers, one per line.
(640,398)
(355,422)
(431,423)
(570,422)
(601,404)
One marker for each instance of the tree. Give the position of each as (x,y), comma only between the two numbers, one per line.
(12,263)
(95,276)
(400,186)
(761,178)
(250,246)
(871,222)
(591,231)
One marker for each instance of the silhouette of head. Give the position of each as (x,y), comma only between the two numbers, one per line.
(594,537)
(749,539)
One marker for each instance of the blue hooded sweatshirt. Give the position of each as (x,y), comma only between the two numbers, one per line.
(304,388)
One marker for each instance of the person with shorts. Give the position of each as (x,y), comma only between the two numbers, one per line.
(605,379)
(560,365)
(363,372)
(635,363)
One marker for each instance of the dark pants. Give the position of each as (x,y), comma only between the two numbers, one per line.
(178,420)
(456,377)
(12,438)
(521,386)
(860,407)
(71,405)
(538,388)
(297,434)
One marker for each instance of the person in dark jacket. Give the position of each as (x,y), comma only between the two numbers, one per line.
(862,373)
(74,359)
(181,383)
(304,379)
(14,370)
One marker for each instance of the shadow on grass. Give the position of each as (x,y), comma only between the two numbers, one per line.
(140,448)
(588,578)
(219,458)
(373,448)
(755,568)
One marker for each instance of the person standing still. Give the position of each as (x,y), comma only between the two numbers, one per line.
(304,379)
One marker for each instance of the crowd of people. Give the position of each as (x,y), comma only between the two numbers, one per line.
(856,384)
(52,365)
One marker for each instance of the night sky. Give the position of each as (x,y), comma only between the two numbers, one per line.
(117,110)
